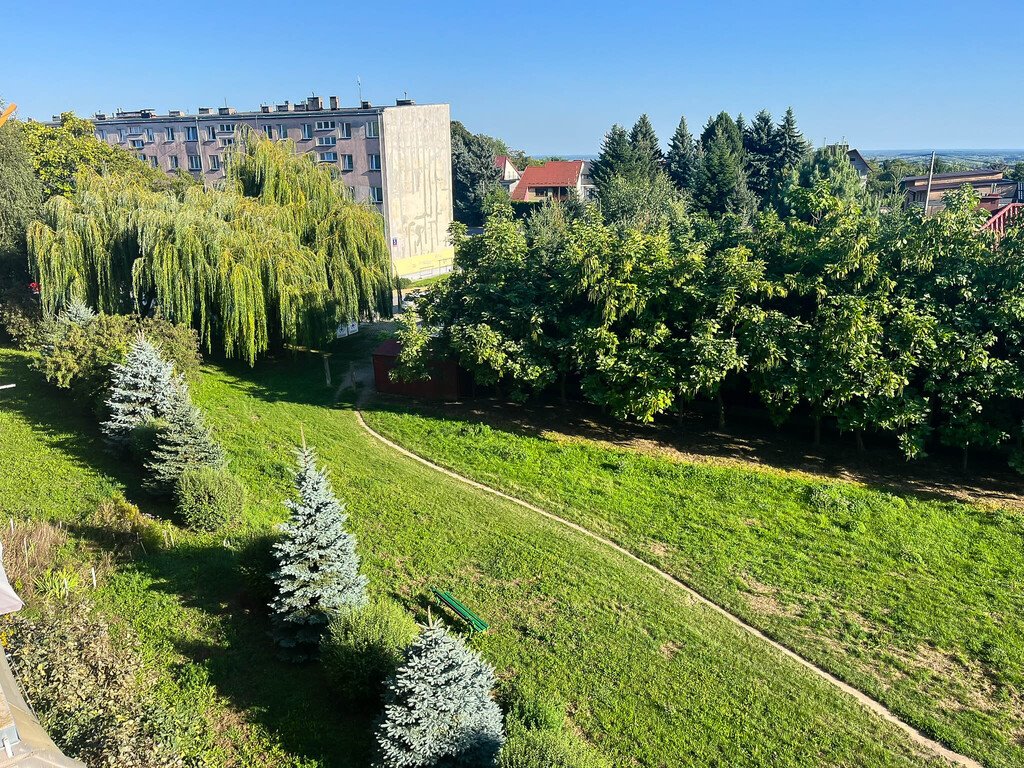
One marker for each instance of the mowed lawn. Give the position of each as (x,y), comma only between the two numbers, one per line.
(650,678)
(918,602)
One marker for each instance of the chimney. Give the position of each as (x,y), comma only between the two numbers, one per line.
(100,116)
(404,102)
(205,111)
(225,110)
(365,105)
(264,108)
(333,102)
(174,113)
(286,107)
(314,103)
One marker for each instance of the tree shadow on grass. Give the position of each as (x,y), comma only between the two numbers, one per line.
(290,701)
(749,440)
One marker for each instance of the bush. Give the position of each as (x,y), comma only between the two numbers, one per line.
(364,646)
(526,748)
(144,438)
(20,317)
(80,357)
(209,498)
(527,707)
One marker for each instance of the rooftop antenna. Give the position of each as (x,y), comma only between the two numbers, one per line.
(928,192)
(359,85)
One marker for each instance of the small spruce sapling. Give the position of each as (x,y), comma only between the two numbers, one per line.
(438,707)
(140,391)
(318,566)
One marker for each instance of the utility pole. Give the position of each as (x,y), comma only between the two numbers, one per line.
(7,113)
(928,192)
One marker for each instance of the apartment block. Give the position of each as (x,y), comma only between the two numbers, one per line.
(397,158)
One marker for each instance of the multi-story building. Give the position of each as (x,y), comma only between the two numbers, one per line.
(397,158)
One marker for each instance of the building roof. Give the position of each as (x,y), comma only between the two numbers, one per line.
(980,173)
(856,156)
(502,160)
(554,173)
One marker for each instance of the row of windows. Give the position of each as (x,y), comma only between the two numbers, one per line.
(211,132)
(195,163)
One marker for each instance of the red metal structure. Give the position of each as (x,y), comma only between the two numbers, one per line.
(446,382)
(1009,215)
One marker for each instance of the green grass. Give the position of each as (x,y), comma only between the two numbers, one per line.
(649,677)
(918,602)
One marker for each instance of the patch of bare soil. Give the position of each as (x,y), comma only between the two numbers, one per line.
(750,441)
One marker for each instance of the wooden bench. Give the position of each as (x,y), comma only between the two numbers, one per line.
(476,624)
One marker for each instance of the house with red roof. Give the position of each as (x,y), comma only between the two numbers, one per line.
(555,180)
(509,173)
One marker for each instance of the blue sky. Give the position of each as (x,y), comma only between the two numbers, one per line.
(548,77)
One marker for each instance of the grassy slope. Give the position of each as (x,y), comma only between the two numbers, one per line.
(919,602)
(650,678)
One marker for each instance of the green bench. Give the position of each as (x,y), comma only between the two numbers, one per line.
(476,624)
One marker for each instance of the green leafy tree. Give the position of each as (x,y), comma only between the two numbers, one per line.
(438,707)
(831,166)
(20,198)
(60,153)
(474,173)
(681,161)
(184,441)
(317,565)
(247,265)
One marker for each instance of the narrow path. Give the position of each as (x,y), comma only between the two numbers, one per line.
(874,706)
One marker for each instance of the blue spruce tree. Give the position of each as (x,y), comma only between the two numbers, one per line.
(185,441)
(438,709)
(140,391)
(318,567)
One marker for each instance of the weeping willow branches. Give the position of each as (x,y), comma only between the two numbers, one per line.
(277,255)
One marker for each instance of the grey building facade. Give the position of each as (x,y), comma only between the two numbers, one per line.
(397,158)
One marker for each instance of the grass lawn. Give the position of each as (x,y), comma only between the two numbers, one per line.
(650,678)
(918,602)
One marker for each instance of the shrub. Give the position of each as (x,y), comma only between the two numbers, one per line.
(528,748)
(122,529)
(144,438)
(364,646)
(209,498)
(20,317)
(81,357)
(528,707)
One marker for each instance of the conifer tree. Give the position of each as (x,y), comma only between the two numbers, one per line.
(77,312)
(140,390)
(721,184)
(790,148)
(438,708)
(615,159)
(646,149)
(318,566)
(724,123)
(681,162)
(760,143)
(185,441)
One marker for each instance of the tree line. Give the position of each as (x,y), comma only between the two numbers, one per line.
(883,323)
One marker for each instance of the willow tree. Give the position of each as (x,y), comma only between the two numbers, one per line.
(277,254)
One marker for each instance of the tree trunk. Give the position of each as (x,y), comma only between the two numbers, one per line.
(817,429)
(859,435)
(561,388)
(721,410)
(963,462)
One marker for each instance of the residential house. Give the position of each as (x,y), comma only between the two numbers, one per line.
(994,191)
(510,175)
(555,180)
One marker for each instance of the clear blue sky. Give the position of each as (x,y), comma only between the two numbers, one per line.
(548,77)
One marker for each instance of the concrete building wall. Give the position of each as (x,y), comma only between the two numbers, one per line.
(418,187)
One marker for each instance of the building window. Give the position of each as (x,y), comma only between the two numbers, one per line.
(307,131)
(149,135)
(325,125)
(141,157)
(227,127)
(269,130)
(195,163)
(136,143)
(328,157)
(214,162)
(211,133)
(101,135)
(376,194)
(346,163)
(121,133)
(174,162)
(374,162)
(326,141)
(346,130)
(169,134)
(372,129)
(227,142)
(282,131)
(191,133)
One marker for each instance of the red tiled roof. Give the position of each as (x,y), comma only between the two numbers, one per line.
(554,173)
(500,160)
